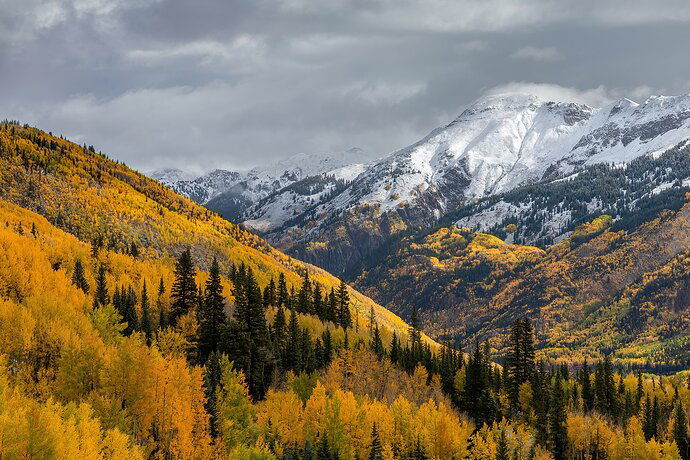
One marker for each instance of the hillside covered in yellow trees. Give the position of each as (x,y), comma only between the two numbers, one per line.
(136,324)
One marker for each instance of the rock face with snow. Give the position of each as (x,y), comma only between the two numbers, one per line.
(338,210)
(498,144)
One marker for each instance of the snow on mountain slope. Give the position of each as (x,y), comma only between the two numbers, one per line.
(170,176)
(499,143)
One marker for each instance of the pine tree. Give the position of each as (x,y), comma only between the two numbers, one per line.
(680,431)
(323,452)
(129,314)
(648,422)
(514,362)
(418,452)
(377,344)
(375,449)
(317,301)
(248,341)
(212,315)
(146,326)
(502,446)
(162,320)
(304,301)
(282,300)
(345,317)
(78,278)
(183,293)
(557,423)
(100,295)
(586,384)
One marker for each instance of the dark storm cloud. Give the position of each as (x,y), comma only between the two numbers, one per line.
(233,84)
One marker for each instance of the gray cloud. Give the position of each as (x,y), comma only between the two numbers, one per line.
(236,83)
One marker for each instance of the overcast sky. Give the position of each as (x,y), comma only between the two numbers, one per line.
(199,84)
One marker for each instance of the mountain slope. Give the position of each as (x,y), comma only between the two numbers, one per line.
(598,291)
(93,198)
(499,143)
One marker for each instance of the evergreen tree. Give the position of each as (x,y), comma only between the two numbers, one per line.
(146,326)
(377,344)
(317,301)
(304,301)
(513,365)
(323,452)
(557,423)
(162,320)
(542,404)
(78,278)
(648,424)
(248,341)
(680,431)
(502,446)
(270,294)
(418,452)
(184,291)
(586,384)
(100,295)
(129,313)
(395,349)
(375,449)
(345,317)
(212,315)
(282,295)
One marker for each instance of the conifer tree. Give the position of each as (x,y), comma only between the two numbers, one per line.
(78,278)
(377,344)
(184,291)
(586,384)
(502,446)
(323,452)
(345,317)
(248,342)
(317,301)
(557,423)
(680,431)
(270,294)
(100,295)
(418,452)
(146,326)
(212,315)
(304,301)
(129,313)
(162,320)
(282,300)
(375,449)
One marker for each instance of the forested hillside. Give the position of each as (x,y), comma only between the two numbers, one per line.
(136,324)
(601,290)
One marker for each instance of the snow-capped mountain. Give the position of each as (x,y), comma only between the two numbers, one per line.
(316,206)
(170,176)
(230,193)
(497,144)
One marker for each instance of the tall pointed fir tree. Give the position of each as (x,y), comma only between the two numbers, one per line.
(375,448)
(345,317)
(146,325)
(78,277)
(558,428)
(586,385)
(212,315)
(502,446)
(162,317)
(680,431)
(100,295)
(183,293)
(248,342)
(282,294)
(304,304)
(129,313)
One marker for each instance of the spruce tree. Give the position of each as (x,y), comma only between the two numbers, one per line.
(100,295)
(375,449)
(162,320)
(586,384)
(184,291)
(129,314)
(345,317)
(282,295)
(212,315)
(248,341)
(418,452)
(680,431)
(78,278)
(415,330)
(304,301)
(146,326)
(557,423)
(502,446)
(513,364)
